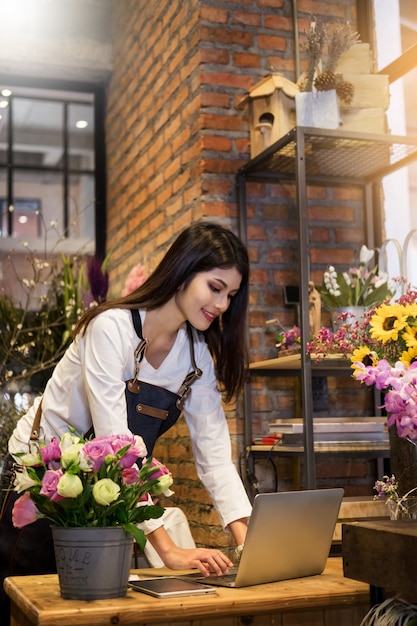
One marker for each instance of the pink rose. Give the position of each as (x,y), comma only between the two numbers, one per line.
(137,448)
(24,511)
(50,483)
(134,280)
(51,452)
(97,450)
(163,476)
(130,475)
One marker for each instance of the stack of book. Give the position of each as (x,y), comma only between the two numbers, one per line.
(332,431)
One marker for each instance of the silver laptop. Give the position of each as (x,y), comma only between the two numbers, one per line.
(289,536)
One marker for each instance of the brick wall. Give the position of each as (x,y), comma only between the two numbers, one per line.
(175,140)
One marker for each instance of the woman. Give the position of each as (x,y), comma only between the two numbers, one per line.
(201,284)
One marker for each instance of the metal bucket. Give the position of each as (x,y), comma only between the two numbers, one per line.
(92,563)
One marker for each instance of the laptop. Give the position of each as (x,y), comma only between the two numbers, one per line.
(289,536)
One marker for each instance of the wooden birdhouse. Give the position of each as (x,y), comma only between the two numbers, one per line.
(271,104)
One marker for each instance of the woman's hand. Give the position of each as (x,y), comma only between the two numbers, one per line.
(206,560)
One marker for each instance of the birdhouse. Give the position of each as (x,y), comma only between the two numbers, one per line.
(271,104)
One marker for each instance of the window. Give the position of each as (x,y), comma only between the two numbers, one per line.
(47,153)
(396,55)
(51,179)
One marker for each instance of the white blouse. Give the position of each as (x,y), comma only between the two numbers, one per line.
(88,386)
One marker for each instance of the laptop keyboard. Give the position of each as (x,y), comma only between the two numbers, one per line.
(229,577)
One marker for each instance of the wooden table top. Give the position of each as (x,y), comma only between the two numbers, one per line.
(38,598)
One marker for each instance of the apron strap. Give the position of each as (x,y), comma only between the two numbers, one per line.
(184,390)
(36,426)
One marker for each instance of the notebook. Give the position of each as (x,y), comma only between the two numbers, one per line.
(289,536)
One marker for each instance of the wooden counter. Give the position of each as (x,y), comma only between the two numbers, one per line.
(326,600)
(382,553)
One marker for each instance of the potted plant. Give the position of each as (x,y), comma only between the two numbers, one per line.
(94,493)
(320,86)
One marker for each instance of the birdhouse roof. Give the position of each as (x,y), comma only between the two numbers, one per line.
(267,86)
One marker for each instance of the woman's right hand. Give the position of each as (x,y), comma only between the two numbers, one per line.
(207,560)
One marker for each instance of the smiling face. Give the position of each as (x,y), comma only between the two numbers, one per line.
(207,296)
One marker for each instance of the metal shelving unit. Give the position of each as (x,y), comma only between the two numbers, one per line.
(312,156)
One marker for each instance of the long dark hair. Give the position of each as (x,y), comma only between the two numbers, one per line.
(201,247)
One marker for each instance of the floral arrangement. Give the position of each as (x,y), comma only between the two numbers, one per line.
(76,482)
(399,506)
(321,74)
(359,286)
(388,360)
(382,349)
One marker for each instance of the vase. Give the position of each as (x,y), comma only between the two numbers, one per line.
(356,314)
(403,461)
(319,109)
(92,563)
(405,510)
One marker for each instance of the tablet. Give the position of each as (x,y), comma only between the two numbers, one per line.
(170,587)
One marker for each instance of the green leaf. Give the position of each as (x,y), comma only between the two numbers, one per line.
(137,533)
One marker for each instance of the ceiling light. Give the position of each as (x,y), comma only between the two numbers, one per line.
(3,104)
(23,219)
(81,124)
(6,92)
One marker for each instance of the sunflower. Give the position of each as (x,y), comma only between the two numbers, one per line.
(409,356)
(387,321)
(364,355)
(410,336)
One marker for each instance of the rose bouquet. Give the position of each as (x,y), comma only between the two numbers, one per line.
(74,482)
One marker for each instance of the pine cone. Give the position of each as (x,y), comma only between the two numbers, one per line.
(345,90)
(325,81)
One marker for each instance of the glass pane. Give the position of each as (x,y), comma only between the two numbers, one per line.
(46,189)
(81,137)
(81,207)
(37,132)
(26,217)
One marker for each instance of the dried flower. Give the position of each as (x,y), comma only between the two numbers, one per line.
(399,506)
(321,68)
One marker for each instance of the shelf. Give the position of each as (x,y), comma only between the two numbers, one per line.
(333,156)
(306,157)
(375,448)
(293,362)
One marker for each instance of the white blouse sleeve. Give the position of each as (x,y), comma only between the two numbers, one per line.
(210,440)
(105,355)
